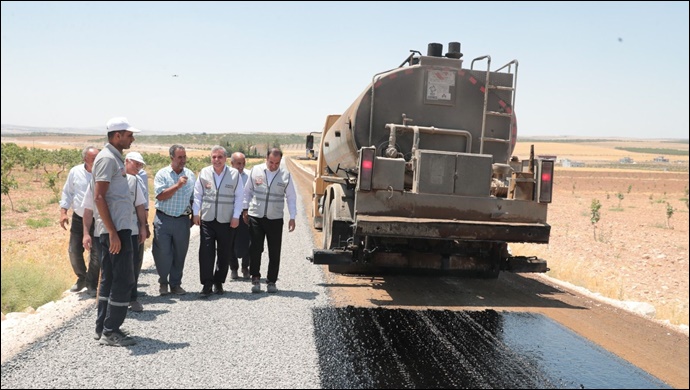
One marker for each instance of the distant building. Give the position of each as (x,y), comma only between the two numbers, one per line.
(571,164)
(660,159)
(626,160)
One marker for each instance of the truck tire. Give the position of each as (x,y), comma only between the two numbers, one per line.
(327,226)
(335,233)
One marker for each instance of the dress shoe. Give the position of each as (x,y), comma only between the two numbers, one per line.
(78,286)
(206,291)
(218,288)
(177,290)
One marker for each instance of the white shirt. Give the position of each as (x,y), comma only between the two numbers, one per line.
(74,189)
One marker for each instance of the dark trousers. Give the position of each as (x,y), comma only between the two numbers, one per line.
(76,253)
(138,259)
(215,237)
(272,231)
(240,247)
(169,249)
(117,281)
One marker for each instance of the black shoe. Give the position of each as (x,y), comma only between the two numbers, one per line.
(117,339)
(206,291)
(92,291)
(218,288)
(78,286)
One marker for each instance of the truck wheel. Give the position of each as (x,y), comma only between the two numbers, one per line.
(327,225)
(335,233)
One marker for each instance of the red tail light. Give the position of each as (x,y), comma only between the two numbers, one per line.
(545,183)
(366,168)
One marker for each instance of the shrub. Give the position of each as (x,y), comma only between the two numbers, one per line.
(594,215)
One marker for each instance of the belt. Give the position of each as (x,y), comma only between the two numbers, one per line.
(179,216)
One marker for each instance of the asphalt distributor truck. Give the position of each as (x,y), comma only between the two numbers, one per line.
(418,173)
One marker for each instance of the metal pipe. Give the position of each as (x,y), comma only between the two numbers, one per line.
(371,107)
(427,130)
(391,151)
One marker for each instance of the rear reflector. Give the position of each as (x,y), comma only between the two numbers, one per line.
(366,168)
(545,183)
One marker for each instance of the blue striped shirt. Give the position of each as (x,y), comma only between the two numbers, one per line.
(181,200)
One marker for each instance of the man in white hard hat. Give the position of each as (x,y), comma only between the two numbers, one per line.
(114,209)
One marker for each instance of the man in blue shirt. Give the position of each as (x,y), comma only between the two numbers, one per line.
(174,190)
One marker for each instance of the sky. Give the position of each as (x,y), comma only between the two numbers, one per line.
(586,69)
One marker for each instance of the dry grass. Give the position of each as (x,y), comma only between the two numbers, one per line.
(598,151)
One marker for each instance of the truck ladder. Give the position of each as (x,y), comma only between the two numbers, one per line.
(485,113)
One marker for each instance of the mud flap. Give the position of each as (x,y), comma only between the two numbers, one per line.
(331,256)
(524,264)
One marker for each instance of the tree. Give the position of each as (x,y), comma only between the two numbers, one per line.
(620,199)
(11,154)
(8,183)
(669,214)
(595,216)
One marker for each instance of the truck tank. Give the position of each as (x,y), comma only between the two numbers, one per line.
(433,92)
(418,172)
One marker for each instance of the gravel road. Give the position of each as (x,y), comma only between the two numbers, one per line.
(235,340)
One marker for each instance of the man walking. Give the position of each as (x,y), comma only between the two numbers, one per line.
(240,247)
(217,208)
(115,208)
(72,196)
(268,187)
(174,190)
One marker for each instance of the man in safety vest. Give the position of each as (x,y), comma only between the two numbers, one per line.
(265,193)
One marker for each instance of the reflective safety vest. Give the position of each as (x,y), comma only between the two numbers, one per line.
(218,203)
(269,198)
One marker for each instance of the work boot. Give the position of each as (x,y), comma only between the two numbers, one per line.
(117,339)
